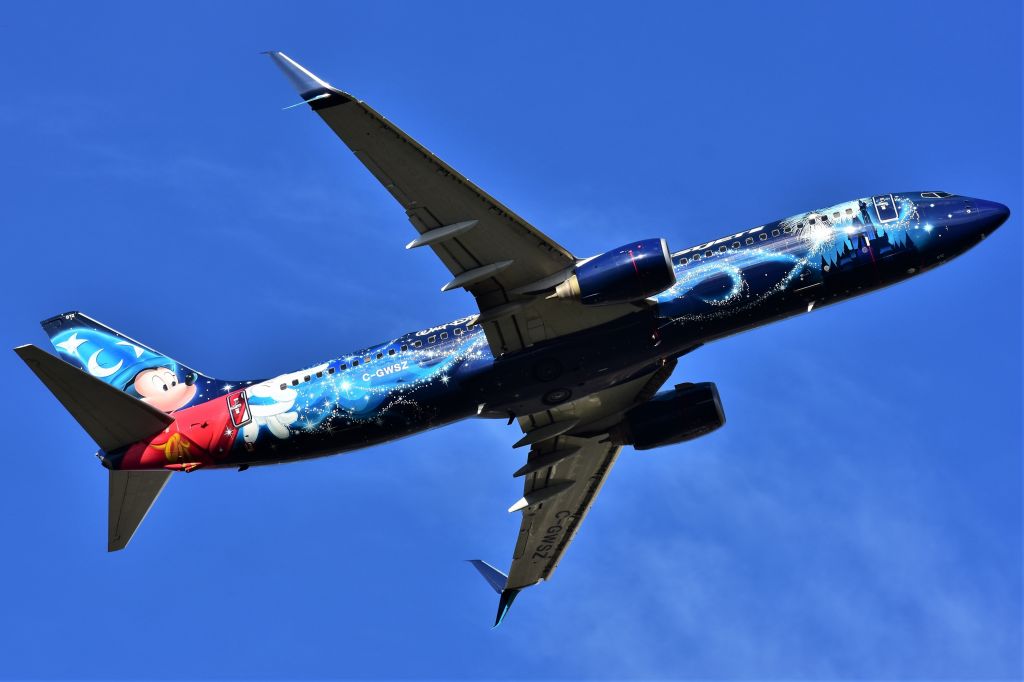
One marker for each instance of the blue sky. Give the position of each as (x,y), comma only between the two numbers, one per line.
(858,517)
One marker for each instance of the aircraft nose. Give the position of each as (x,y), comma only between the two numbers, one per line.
(990,215)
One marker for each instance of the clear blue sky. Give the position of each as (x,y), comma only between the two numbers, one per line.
(858,517)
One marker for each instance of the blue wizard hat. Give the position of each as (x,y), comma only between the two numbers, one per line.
(109,358)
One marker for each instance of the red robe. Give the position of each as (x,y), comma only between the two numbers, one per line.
(199,435)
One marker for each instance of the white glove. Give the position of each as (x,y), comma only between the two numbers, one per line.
(269,406)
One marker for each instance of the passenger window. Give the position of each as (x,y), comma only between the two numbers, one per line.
(787,230)
(444,335)
(849,211)
(721,249)
(319,375)
(379,355)
(284,386)
(404,347)
(391,351)
(343,366)
(775,233)
(763,236)
(295,382)
(431,339)
(355,363)
(682,261)
(458,331)
(735,245)
(330,370)
(750,240)
(305,378)
(709,253)
(835,215)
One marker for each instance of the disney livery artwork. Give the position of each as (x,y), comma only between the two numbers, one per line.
(573,350)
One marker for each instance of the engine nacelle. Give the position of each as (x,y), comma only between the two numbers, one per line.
(628,273)
(685,413)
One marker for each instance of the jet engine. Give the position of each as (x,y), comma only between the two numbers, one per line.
(628,273)
(682,414)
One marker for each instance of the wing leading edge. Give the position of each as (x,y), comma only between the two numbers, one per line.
(505,262)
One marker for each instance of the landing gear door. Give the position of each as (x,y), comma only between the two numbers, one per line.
(885,208)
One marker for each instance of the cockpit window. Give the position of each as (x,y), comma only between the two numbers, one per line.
(935,195)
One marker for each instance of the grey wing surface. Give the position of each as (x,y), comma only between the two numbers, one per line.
(490,251)
(563,474)
(570,457)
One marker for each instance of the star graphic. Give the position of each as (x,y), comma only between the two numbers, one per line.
(229,431)
(71,344)
(137,349)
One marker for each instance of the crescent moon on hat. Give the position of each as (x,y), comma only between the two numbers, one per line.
(98,370)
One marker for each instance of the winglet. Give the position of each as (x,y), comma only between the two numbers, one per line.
(504,604)
(497,580)
(311,88)
(300,77)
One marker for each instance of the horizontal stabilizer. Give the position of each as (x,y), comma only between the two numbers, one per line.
(111,417)
(132,494)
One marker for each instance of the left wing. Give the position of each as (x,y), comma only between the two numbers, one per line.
(506,263)
(570,457)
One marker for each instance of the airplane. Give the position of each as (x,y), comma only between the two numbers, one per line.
(575,350)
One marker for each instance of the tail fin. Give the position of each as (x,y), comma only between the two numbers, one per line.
(126,364)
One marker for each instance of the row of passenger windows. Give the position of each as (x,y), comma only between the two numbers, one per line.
(458,331)
(763,236)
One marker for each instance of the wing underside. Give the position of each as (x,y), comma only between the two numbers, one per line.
(570,457)
(505,262)
(563,474)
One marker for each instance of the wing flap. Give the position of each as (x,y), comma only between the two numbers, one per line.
(547,528)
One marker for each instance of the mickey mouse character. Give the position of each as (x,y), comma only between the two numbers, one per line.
(139,371)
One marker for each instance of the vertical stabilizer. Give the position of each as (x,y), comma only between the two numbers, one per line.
(129,365)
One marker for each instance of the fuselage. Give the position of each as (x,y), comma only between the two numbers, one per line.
(431,377)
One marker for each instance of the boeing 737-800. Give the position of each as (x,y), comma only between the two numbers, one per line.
(575,350)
